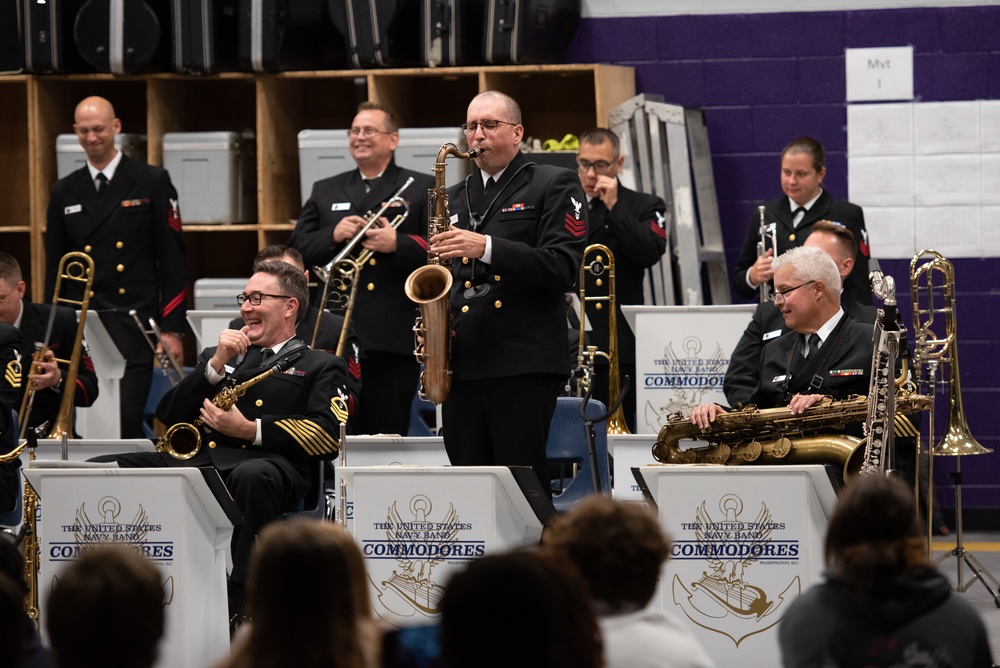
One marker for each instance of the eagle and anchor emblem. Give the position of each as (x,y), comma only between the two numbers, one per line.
(728,598)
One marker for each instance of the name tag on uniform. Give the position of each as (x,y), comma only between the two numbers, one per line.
(75,208)
(340,206)
(771,335)
(779,379)
(226,369)
(454,218)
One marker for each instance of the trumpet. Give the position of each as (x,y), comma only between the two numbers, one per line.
(154,337)
(342,271)
(75,267)
(602,263)
(767,232)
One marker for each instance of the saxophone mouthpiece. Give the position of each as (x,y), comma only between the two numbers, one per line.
(474,153)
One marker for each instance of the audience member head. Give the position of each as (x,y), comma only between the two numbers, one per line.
(874,532)
(837,241)
(618,547)
(374,136)
(599,155)
(806,288)
(11,288)
(498,146)
(307,594)
(802,169)
(526,609)
(15,627)
(95,126)
(277,316)
(108,587)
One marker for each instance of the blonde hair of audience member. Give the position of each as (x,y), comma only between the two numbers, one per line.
(524,609)
(109,589)
(307,599)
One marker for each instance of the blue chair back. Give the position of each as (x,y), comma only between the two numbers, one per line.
(158,386)
(313,504)
(567,444)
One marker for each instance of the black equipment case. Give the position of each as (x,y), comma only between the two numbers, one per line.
(206,35)
(11,37)
(124,36)
(451,32)
(48,37)
(537,32)
(380,33)
(282,35)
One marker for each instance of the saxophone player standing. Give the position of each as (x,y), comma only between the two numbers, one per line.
(383,316)
(516,241)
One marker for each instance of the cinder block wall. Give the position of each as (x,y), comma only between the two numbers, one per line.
(764,79)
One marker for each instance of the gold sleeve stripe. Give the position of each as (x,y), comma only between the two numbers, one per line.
(903,426)
(310,436)
(13,373)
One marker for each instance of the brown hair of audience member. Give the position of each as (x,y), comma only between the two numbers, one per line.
(809,146)
(874,530)
(618,547)
(525,609)
(307,597)
(16,629)
(291,282)
(110,588)
(845,238)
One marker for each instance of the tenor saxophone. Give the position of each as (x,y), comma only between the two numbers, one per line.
(429,287)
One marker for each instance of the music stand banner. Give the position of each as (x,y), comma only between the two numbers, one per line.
(417,525)
(746,542)
(681,357)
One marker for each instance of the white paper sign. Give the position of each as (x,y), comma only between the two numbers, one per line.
(884,73)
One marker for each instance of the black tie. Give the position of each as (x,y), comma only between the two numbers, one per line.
(796,213)
(489,185)
(370,183)
(812,345)
(101,183)
(265,355)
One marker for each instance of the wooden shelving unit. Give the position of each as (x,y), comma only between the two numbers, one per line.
(555,99)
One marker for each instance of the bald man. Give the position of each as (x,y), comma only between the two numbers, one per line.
(125,215)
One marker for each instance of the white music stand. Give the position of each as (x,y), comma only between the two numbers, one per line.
(681,357)
(747,540)
(417,525)
(207,324)
(103,418)
(174,515)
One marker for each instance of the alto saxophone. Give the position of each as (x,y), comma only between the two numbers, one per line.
(430,286)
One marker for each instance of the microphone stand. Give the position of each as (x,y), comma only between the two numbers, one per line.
(588,429)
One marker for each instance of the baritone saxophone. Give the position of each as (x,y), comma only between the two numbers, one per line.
(429,287)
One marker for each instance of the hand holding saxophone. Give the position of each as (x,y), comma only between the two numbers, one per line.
(800,402)
(455,243)
(705,414)
(230,422)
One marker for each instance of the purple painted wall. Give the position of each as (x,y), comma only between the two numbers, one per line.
(763,79)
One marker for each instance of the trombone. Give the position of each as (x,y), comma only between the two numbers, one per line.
(342,271)
(154,337)
(602,263)
(75,267)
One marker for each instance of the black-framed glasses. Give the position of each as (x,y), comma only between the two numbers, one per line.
(487,124)
(366,131)
(785,293)
(599,166)
(255,298)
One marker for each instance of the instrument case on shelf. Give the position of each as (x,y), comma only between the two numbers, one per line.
(283,35)
(71,157)
(324,153)
(215,174)
(218,294)
(11,37)
(124,36)
(380,33)
(451,32)
(48,37)
(524,32)
(206,35)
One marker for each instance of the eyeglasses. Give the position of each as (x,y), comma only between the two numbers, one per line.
(785,293)
(366,131)
(255,297)
(599,166)
(488,125)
